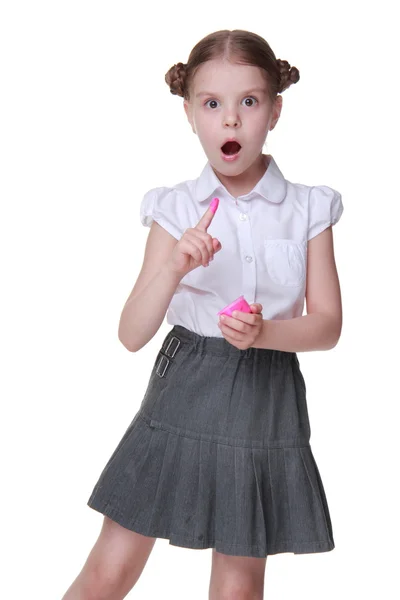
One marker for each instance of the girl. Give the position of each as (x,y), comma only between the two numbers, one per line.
(218,455)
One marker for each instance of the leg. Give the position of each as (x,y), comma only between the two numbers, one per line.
(113,566)
(238,577)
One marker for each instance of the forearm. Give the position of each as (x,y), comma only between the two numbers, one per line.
(315,331)
(143,314)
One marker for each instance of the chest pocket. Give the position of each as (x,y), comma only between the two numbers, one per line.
(286,261)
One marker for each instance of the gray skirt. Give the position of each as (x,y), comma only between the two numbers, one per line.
(218,454)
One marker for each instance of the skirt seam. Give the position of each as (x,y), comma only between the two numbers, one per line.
(153,424)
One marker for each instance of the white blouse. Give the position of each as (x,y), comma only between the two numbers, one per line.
(264,238)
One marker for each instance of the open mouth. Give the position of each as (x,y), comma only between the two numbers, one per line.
(231,148)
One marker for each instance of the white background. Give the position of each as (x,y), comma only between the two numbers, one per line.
(88,125)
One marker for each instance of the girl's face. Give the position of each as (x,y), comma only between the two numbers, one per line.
(231,101)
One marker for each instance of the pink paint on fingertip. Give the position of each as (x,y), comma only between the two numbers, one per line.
(214,205)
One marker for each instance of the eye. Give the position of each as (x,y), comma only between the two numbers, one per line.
(252,97)
(210,101)
(247,97)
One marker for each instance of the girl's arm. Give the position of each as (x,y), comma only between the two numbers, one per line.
(321,327)
(147,304)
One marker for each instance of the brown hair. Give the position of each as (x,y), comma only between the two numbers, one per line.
(236,46)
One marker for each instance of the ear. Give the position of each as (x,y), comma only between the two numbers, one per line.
(188,112)
(276,111)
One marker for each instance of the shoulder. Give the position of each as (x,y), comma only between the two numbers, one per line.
(319,205)
(169,206)
(173,198)
(182,191)
(323,194)
(325,208)
(311,194)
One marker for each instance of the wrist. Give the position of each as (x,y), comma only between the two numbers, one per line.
(258,342)
(171,274)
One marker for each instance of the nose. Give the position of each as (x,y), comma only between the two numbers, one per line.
(231,119)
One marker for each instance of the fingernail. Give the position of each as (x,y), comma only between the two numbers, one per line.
(214,204)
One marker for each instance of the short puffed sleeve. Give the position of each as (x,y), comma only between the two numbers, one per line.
(159,204)
(325,209)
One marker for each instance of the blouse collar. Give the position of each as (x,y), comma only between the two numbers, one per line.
(272,186)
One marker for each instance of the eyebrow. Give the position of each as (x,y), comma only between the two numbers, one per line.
(256,89)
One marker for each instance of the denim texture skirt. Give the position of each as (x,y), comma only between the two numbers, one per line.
(218,454)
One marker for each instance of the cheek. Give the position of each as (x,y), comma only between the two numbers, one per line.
(259,125)
(206,130)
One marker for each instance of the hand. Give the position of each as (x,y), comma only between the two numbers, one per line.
(196,247)
(242,330)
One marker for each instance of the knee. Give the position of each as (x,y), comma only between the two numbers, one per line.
(101,582)
(237,591)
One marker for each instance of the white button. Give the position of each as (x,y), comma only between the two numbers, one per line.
(243,216)
(249,258)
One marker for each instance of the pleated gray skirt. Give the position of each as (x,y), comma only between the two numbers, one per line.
(218,454)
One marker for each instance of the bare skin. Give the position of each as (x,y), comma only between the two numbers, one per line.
(113,566)
(119,556)
(238,577)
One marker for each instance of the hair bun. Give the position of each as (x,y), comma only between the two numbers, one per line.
(175,77)
(288,74)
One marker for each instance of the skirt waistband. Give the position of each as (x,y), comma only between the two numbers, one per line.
(211,345)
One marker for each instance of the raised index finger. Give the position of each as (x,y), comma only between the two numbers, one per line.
(208,216)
